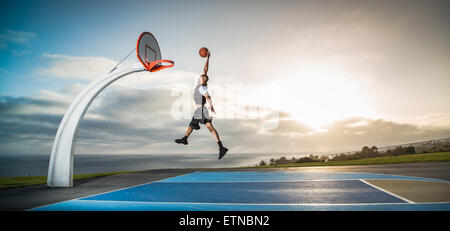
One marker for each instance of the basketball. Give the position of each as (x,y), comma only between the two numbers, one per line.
(203,52)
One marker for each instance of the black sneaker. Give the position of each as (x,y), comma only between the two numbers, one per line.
(222,152)
(181,141)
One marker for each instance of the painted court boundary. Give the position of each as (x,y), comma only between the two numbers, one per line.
(125,205)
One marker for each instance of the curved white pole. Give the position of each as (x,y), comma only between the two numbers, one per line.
(60,170)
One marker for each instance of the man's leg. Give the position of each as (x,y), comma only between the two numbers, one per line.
(213,131)
(222,149)
(184,139)
(194,124)
(188,131)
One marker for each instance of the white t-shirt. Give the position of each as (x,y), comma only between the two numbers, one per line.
(203,90)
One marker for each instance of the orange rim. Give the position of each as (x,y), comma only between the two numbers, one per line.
(157,66)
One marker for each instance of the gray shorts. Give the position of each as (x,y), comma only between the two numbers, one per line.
(201,116)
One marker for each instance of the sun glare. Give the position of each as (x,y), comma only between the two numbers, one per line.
(317,97)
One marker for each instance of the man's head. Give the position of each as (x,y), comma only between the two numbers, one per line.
(203,80)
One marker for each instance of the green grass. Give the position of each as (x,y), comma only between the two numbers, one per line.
(12,182)
(415,158)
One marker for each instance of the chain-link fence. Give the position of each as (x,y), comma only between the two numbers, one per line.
(439,145)
(429,146)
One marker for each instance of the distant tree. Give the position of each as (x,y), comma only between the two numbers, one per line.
(306,159)
(399,151)
(365,151)
(272,161)
(374,151)
(313,157)
(323,158)
(410,150)
(262,163)
(282,160)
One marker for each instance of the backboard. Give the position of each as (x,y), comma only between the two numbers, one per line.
(149,54)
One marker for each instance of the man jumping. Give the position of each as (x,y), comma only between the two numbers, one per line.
(201,113)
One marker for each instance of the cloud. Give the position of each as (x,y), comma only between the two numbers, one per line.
(16,37)
(29,105)
(432,120)
(3,45)
(291,127)
(119,119)
(11,39)
(88,68)
(138,121)
(64,66)
(20,53)
(353,133)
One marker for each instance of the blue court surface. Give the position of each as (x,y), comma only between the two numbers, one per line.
(254,190)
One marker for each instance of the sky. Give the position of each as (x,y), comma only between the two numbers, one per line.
(340,74)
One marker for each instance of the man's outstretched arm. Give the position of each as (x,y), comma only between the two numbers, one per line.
(205,69)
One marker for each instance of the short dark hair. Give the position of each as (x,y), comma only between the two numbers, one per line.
(207,78)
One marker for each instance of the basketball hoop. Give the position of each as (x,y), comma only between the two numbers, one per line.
(60,169)
(149,54)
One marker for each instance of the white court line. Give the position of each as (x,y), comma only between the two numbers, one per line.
(283,181)
(214,203)
(324,172)
(108,191)
(200,171)
(262,181)
(390,193)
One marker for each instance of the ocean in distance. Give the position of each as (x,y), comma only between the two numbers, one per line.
(37,164)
